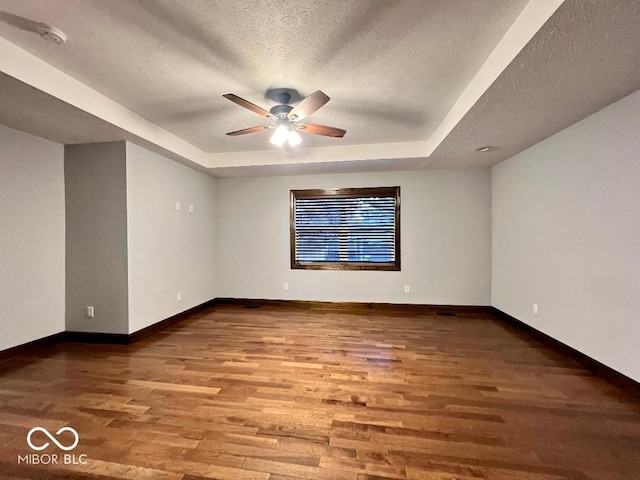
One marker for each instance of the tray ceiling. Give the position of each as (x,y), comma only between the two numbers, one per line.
(416,84)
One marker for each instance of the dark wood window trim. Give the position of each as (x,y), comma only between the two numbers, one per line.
(345,193)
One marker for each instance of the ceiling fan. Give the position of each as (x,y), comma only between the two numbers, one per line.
(46,31)
(286,118)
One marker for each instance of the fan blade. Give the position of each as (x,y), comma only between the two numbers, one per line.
(20,22)
(244,131)
(308,105)
(247,104)
(316,129)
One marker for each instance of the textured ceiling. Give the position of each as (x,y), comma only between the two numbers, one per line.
(396,71)
(586,57)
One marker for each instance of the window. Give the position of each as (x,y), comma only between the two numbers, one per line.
(346,229)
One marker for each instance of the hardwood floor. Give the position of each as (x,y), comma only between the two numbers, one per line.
(287,394)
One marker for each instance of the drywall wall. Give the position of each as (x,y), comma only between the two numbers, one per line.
(445,240)
(96,208)
(31,238)
(566,236)
(170,251)
(129,251)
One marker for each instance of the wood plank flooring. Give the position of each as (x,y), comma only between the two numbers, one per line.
(287,394)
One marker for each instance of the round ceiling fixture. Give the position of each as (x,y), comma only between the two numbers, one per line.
(52,34)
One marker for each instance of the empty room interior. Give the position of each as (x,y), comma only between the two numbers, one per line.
(329,239)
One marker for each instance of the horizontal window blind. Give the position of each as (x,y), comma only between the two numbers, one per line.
(358,228)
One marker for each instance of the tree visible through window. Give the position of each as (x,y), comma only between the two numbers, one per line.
(346,229)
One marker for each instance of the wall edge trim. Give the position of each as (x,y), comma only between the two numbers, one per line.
(168,322)
(597,368)
(355,307)
(37,344)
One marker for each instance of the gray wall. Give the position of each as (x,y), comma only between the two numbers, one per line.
(96,206)
(170,250)
(445,240)
(31,238)
(566,235)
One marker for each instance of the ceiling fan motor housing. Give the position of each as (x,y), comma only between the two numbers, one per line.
(280,111)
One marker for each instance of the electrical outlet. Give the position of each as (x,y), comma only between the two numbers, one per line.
(407,289)
(535,308)
(179,296)
(190,208)
(286,285)
(178,206)
(90,312)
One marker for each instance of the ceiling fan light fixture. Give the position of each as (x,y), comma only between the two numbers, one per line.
(279,136)
(294,138)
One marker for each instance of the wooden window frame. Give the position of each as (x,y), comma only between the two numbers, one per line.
(346,193)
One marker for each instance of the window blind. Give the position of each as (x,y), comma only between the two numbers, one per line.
(349,229)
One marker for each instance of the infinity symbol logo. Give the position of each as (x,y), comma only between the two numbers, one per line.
(63,429)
